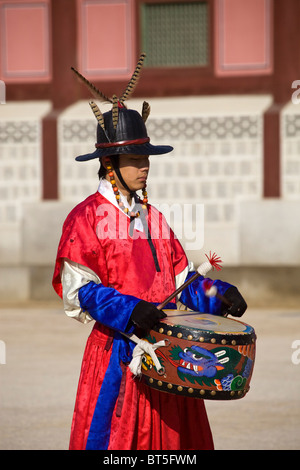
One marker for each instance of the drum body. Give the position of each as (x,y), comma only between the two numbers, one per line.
(206,356)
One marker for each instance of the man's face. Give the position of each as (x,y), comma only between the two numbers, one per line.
(134,170)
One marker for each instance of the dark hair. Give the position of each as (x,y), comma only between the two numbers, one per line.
(102,170)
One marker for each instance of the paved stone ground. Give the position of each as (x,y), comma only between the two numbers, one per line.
(44,349)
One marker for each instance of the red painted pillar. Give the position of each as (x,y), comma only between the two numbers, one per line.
(286,70)
(272,151)
(64,89)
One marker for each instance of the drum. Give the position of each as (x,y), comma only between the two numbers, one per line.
(206,356)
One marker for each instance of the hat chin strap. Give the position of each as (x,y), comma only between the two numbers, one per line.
(115,164)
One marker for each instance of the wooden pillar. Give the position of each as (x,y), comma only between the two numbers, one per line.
(286,70)
(272,151)
(50,155)
(64,89)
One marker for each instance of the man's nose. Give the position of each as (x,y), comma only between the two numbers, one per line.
(144,165)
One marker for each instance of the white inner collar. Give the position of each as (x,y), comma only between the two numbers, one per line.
(105,188)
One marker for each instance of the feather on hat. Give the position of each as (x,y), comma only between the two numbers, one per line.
(121,130)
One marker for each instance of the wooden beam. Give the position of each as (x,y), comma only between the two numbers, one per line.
(50,156)
(64,88)
(271,165)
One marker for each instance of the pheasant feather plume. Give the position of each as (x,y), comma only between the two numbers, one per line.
(115,111)
(115,101)
(134,79)
(98,114)
(145,111)
(96,93)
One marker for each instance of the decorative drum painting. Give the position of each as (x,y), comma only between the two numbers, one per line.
(205,356)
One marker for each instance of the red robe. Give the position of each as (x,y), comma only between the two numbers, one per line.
(95,235)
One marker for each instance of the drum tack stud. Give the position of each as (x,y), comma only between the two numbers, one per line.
(179,388)
(233,342)
(202,392)
(169,333)
(159,383)
(170,386)
(213,392)
(191,390)
(151,380)
(190,337)
(179,335)
(161,330)
(213,340)
(223,341)
(201,339)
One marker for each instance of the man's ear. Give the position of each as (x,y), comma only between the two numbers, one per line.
(105,161)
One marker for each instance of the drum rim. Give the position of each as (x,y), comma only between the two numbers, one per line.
(205,336)
(193,392)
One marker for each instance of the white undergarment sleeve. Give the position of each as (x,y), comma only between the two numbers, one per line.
(73,277)
(181,277)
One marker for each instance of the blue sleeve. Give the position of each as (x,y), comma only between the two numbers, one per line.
(107,306)
(193,296)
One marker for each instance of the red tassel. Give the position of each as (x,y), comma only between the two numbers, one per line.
(206,284)
(215,261)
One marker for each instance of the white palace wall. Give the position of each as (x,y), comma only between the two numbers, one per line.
(210,187)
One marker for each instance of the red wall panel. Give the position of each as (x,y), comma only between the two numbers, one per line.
(25,41)
(243,37)
(106,38)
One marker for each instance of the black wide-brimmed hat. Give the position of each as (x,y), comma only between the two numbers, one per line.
(129,137)
(121,130)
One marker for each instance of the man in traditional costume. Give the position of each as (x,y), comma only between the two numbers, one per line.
(117,260)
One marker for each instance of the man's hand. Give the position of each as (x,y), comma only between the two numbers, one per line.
(145,315)
(238,304)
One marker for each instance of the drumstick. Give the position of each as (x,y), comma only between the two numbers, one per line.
(213,262)
(211,291)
